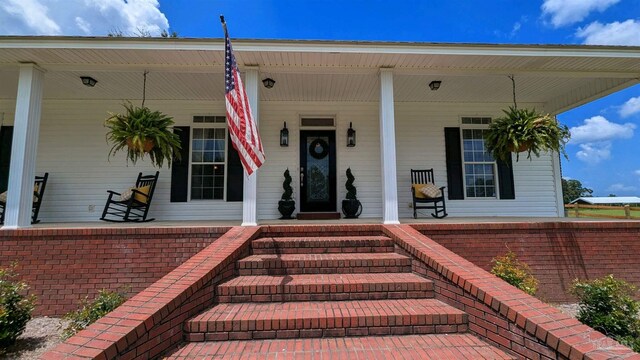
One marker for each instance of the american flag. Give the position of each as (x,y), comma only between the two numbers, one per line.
(242,127)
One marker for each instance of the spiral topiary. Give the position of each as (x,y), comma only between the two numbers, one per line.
(286,185)
(351,190)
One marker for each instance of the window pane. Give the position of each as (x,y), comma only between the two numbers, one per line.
(196,193)
(219,156)
(479,165)
(218,193)
(208,148)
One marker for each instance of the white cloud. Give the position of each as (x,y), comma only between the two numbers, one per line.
(631,107)
(81,17)
(33,14)
(615,33)
(567,12)
(83,25)
(637,172)
(594,153)
(599,129)
(622,188)
(516,28)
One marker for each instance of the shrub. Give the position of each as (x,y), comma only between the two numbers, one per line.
(106,302)
(15,307)
(607,305)
(516,273)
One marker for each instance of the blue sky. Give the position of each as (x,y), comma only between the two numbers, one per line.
(603,152)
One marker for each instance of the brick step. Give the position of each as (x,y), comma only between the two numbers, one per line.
(289,264)
(248,321)
(320,245)
(409,347)
(325,287)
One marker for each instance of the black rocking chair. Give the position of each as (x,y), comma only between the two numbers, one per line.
(435,203)
(38,191)
(136,207)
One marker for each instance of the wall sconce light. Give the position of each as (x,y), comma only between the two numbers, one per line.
(284,135)
(88,81)
(435,85)
(268,83)
(351,136)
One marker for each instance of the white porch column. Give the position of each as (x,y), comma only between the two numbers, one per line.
(24,147)
(250,186)
(557,177)
(388,149)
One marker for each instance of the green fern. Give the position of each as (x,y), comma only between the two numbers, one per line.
(137,125)
(527,130)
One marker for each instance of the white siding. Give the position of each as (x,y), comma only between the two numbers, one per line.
(74,151)
(420,145)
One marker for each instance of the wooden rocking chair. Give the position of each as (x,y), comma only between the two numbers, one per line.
(133,208)
(38,191)
(420,178)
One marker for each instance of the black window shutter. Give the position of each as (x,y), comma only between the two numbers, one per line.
(6,135)
(180,169)
(453,152)
(235,173)
(505,178)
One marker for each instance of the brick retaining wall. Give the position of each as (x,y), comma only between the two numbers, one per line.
(501,314)
(557,253)
(62,266)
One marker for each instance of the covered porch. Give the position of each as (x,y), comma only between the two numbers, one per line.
(379,89)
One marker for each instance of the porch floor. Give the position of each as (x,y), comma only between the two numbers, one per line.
(210,223)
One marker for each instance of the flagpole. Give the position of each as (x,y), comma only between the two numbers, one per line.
(224,24)
(239,102)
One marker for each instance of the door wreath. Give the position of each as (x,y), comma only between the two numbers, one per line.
(319,148)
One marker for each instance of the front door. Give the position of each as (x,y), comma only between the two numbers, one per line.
(317,170)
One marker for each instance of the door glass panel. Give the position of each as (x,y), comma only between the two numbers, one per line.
(317,169)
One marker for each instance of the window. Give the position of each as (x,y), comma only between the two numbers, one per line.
(208,158)
(479,165)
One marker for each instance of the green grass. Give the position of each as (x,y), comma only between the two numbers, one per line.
(595,212)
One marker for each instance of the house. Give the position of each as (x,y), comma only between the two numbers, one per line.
(322,89)
(607,200)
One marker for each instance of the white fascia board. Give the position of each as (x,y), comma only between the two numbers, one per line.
(320,47)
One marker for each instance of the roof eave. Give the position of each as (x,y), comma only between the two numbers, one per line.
(320,46)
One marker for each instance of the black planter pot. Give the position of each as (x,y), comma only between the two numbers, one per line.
(351,208)
(286,208)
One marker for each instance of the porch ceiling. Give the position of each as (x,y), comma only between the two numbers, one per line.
(559,77)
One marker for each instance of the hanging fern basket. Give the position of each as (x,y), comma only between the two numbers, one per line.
(525,130)
(521,147)
(147,145)
(142,132)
